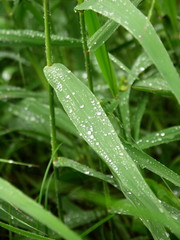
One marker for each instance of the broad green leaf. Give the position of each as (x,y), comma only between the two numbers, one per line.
(15,197)
(23,232)
(146,161)
(93,125)
(126,14)
(153,85)
(164,136)
(33,38)
(64,162)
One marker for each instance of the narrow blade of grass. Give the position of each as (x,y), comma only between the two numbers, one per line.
(64,162)
(17,198)
(102,35)
(143,31)
(153,85)
(146,161)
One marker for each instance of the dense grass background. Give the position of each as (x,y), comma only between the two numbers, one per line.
(138,92)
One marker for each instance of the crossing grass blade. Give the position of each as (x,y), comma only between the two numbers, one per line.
(164,136)
(93,125)
(153,85)
(146,161)
(65,162)
(102,35)
(16,198)
(124,13)
(33,38)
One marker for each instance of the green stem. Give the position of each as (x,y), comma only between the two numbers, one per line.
(85,48)
(54,154)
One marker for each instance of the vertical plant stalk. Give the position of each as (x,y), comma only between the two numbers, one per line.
(85,48)
(54,154)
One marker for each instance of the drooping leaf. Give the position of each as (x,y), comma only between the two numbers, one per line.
(93,125)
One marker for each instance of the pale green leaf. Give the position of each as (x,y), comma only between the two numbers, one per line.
(93,125)
(17,198)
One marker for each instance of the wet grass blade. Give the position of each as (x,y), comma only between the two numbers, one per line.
(15,197)
(153,85)
(146,161)
(124,13)
(33,38)
(102,35)
(93,125)
(64,162)
(164,136)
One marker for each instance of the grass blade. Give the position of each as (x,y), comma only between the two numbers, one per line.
(164,136)
(17,198)
(64,162)
(153,85)
(124,13)
(93,125)
(33,38)
(146,161)
(102,35)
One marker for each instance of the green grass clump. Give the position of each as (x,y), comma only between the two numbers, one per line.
(90,130)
